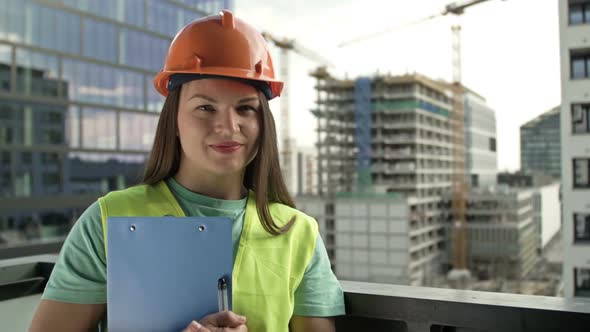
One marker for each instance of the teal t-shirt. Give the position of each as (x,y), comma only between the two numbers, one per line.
(79,275)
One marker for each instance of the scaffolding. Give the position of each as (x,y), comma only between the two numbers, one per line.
(389,134)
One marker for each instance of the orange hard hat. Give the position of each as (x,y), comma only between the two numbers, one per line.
(219,46)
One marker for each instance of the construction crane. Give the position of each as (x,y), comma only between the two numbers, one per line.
(286,45)
(459,275)
(455,8)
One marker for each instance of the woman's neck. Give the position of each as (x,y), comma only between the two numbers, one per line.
(229,186)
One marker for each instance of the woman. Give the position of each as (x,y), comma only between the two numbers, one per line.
(215,154)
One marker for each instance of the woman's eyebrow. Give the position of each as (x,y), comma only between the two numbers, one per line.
(249,99)
(196,95)
(213,100)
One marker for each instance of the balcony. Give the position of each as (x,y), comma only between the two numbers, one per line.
(369,306)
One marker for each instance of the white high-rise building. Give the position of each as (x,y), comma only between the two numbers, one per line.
(481,160)
(574,26)
(307,174)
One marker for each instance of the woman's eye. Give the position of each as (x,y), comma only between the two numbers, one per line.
(207,108)
(246,108)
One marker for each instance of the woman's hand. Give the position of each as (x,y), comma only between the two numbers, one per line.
(225,321)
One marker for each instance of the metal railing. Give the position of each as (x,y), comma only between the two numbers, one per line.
(379,307)
(31,248)
(369,306)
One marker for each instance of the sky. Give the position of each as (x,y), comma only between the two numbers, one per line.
(510,53)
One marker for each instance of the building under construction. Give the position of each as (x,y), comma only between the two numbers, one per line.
(389,134)
(507,230)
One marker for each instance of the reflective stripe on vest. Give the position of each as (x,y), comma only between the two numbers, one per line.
(267,269)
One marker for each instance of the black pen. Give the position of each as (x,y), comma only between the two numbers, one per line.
(222,294)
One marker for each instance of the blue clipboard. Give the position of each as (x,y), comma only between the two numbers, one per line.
(163,272)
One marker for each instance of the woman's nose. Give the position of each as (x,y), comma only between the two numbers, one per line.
(228,119)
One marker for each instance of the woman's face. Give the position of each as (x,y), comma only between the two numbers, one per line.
(218,125)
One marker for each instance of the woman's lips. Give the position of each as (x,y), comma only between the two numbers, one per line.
(229,147)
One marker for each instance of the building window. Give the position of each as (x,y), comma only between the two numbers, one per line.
(330,239)
(37,73)
(99,40)
(492,144)
(581,227)
(580,118)
(582,282)
(579,12)
(144,124)
(5,67)
(475,180)
(99,129)
(580,64)
(581,173)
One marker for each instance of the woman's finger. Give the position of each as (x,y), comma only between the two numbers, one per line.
(194,326)
(224,318)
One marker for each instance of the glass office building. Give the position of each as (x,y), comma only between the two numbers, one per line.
(78,110)
(540,144)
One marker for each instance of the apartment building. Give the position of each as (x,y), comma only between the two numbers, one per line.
(574,32)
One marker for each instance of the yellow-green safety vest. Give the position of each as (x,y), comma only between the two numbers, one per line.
(267,268)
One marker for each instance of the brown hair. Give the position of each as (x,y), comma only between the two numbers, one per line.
(263,175)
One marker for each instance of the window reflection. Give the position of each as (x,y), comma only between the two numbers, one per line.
(582,282)
(579,69)
(102,172)
(581,227)
(49,124)
(50,28)
(37,73)
(100,40)
(210,6)
(11,124)
(93,83)
(49,173)
(22,183)
(42,173)
(189,16)
(132,7)
(581,173)
(120,10)
(99,129)
(155,101)
(142,127)
(11,27)
(5,63)
(5,173)
(141,50)
(162,17)
(579,13)
(576,14)
(73,127)
(581,118)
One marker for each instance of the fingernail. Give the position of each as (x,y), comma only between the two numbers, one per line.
(242,318)
(196,325)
